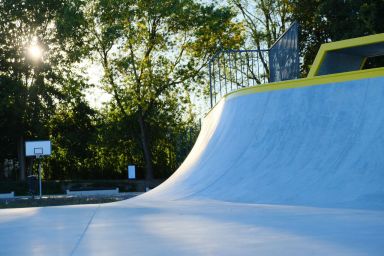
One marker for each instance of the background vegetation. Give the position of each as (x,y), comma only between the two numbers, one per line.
(153,56)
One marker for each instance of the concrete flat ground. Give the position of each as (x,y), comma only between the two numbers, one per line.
(141,227)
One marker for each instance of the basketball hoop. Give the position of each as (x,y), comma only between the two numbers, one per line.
(38,149)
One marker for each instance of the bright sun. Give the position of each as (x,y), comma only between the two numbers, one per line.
(35,52)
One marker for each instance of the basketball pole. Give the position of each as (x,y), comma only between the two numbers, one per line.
(38,158)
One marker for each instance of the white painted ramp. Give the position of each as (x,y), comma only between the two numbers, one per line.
(315,146)
(287,172)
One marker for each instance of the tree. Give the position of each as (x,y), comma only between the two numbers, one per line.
(153,52)
(73,133)
(10,117)
(333,20)
(266,21)
(33,68)
(22,24)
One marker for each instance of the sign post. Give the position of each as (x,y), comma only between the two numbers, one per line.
(38,149)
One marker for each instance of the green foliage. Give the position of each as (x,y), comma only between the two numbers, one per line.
(153,52)
(33,88)
(333,20)
(265,22)
(73,132)
(153,55)
(11,114)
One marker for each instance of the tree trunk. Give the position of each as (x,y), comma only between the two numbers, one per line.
(21,157)
(146,150)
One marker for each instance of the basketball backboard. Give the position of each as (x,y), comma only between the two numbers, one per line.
(38,148)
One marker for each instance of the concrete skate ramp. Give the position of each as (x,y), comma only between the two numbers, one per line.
(315,142)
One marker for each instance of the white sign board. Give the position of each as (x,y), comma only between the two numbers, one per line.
(131,172)
(41,148)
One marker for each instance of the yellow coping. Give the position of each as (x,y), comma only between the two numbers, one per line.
(354,42)
(306,82)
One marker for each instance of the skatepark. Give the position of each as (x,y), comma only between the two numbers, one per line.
(288,168)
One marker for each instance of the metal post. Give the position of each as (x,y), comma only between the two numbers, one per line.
(252,70)
(247,56)
(218,66)
(258,67)
(241,70)
(40,178)
(225,73)
(214,93)
(235,57)
(210,82)
(230,68)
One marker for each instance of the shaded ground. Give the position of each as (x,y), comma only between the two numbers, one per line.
(190,227)
(21,202)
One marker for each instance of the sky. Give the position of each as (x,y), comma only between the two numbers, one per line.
(95,95)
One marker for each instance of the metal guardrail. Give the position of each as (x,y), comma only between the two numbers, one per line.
(230,70)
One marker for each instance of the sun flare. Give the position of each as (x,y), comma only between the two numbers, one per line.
(35,52)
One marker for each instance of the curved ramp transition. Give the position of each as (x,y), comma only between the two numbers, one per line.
(315,145)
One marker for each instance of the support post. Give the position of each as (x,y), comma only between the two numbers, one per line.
(40,190)
(210,82)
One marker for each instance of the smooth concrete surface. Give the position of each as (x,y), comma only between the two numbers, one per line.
(291,172)
(141,227)
(316,146)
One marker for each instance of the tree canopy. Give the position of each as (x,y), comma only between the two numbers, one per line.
(153,55)
(153,59)
(333,20)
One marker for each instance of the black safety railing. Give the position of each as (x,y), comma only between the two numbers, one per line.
(230,70)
